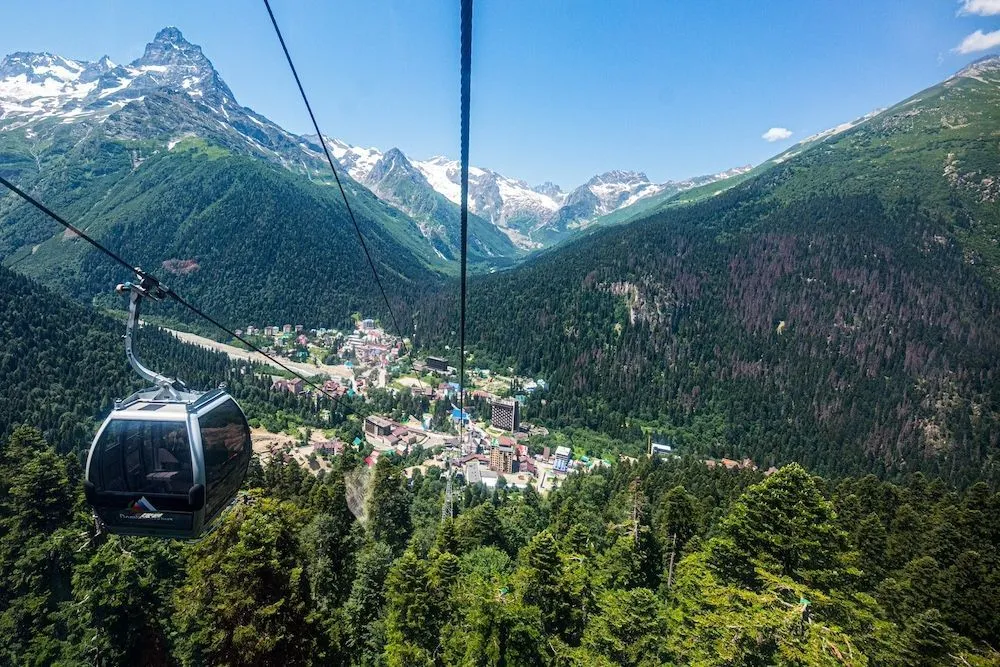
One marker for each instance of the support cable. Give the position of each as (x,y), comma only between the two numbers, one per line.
(336,176)
(466,81)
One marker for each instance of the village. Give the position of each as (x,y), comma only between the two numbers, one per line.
(491,449)
(495,448)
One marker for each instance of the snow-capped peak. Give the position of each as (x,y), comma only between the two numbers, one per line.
(35,86)
(978,69)
(357,160)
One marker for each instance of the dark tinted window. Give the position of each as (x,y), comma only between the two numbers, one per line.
(225,439)
(144,457)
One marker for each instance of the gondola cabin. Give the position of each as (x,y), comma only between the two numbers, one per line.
(167,467)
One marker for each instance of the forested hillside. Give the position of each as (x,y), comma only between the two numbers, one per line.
(63,365)
(788,570)
(840,309)
(248,240)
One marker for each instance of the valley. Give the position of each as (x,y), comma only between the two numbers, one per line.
(745,418)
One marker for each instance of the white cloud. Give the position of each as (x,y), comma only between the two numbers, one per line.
(979,41)
(979,7)
(776,134)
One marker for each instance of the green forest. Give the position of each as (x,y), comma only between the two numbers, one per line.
(647,564)
(789,569)
(63,365)
(840,332)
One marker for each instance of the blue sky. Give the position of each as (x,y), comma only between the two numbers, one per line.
(561,89)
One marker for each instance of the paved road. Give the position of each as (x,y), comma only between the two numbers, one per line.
(246,355)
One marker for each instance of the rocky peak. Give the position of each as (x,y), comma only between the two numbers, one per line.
(39,66)
(549,189)
(619,176)
(170,61)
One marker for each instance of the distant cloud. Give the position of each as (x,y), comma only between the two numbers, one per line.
(776,134)
(979,41)
(979,7)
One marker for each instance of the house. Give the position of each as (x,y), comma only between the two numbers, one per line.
(335,447)
(730,464)
(526,465)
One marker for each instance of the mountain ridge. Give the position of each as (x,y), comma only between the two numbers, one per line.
(35,87)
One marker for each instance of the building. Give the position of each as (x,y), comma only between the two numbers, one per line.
(472,473)
(526,465)
(437,364)
(367,323)
(660,449)
(506,415)
(502,458)
(563,456)
(378,426)
(293,386)
(286,328)
(469,446)
(334,446)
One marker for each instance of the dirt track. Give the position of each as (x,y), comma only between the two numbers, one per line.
(246,355)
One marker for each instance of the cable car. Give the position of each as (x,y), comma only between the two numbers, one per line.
(167,460)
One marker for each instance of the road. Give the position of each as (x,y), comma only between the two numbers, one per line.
(339,371)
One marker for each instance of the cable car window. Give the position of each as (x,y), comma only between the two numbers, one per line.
(145,457)
(226,444)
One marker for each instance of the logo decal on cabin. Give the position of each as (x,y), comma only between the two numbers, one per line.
(142,505)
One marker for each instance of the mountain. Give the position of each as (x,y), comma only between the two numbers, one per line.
(531,217)
(838,306)
(159,161)
(398,181)
(173,94)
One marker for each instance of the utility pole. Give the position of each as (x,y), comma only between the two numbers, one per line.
(670,572)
